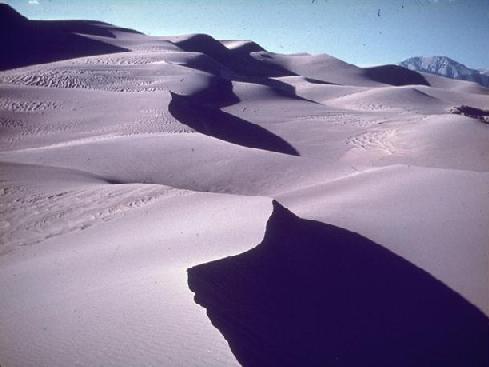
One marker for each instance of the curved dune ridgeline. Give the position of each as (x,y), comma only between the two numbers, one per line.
(222,125)
(27,42)
(312,294)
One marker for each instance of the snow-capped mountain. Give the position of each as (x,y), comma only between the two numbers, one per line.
(484,71)
(447,67)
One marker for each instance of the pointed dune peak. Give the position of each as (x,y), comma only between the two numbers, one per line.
(11,20)
(9,16)
(242,46)
(312,294)
(200,42)
(27,42)
(239,62)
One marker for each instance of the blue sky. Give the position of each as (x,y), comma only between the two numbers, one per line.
(354,31)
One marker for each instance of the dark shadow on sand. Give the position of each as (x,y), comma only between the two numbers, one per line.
(218,93)
(287,90)
(395,75)
(241,63)
(211,121)
(313,294)
(25,42)
(472,112)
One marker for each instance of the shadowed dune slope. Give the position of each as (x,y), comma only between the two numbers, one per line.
(286,90)
(321,68)
(313,294)
(326,68)
(239,62)
(25,42)
(218,93)
(88,27)
(205,63)
(395,75)
(212,121)
(242,47)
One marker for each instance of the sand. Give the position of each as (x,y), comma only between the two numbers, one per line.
(141,157)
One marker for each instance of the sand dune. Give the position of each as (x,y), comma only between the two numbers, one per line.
(240,63)
(243,46)
(29,42)
(97,294)
(319,67)
(319,92)
(224,126)
(461,85)
(136,169)
(389,98)
(436,229)
(286,303)
(395,75)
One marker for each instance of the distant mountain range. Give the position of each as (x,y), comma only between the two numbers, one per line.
(447,67)
(484,71)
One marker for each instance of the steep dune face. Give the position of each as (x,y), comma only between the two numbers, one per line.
(242,47)
(318,91)
(222,125)
(217,93)
(319,295)
(395,75)
(89,266)
(430,223)
(328,69)
(319,67)
(239,62)
(26,42)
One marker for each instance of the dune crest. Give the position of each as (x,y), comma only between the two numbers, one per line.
(222,125)
(26,42)
(317,295)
